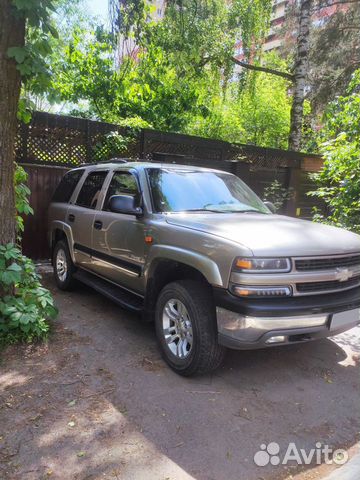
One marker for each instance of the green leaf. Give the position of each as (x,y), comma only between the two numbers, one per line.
(19,53)
(14,267)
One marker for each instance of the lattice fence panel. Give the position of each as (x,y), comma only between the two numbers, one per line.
(68,141)
(264,158)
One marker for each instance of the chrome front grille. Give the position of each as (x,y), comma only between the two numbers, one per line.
(309,275)
(328,263)
(332,286)
(327,274)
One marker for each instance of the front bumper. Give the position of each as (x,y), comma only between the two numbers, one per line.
(250,324)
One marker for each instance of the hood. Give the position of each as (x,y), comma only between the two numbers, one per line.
(268,235)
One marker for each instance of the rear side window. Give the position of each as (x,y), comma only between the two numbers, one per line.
(90,191)
(122,183)
(67,186)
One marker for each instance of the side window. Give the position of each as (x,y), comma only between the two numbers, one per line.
(67,186)
(90,191)
(122,183)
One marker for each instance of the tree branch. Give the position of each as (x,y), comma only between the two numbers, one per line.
(258,68)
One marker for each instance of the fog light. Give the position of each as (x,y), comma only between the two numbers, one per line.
(245,291)
(276,339)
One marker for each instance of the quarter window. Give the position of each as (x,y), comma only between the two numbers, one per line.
(90,191)
(67,186)
(122,183)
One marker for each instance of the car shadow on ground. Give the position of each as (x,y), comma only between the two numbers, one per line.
(104,405)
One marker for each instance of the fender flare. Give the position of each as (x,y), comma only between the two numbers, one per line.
(203,264)
(64,227)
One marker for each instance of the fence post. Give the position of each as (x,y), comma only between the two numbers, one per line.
(22,155)
(88,141)
(142,144)
(293,183)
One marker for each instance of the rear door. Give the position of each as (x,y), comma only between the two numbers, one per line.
(118,239)
(80,215)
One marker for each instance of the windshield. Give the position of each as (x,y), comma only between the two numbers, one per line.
(197,191)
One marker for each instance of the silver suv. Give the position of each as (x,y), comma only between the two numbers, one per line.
(197,251)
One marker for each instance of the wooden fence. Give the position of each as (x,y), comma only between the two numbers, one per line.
(51,144)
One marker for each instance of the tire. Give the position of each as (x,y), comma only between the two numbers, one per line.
(64,268)
(188,337)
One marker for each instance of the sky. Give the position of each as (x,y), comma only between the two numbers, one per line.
(98,7)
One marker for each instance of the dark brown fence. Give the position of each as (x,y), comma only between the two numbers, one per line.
(51,144)
(43,179)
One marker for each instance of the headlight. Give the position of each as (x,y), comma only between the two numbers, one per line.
(262,265)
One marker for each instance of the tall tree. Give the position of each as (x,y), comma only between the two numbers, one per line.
(300,75)
(331,69)
(339,181)
(12,34)
(24,33)
(333,52)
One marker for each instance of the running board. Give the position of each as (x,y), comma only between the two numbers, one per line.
(117,294)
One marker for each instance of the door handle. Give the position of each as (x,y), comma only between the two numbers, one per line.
(98,225)
(71,217)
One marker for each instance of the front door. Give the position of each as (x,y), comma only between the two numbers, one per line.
(80,216)
(118,239)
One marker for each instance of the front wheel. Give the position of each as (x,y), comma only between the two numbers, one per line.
(186,328)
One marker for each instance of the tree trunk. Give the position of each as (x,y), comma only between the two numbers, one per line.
(12,34)
(300,73)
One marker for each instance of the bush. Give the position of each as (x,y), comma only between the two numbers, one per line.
(277,194)
(25,305)
(22,194)
(339,180)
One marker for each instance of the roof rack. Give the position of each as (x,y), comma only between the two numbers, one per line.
(111,160)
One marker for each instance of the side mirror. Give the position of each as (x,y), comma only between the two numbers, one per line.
(270,206)
(124,204)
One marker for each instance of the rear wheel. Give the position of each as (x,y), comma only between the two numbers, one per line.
(186,328)
(63,266)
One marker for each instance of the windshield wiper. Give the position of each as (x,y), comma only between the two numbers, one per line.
(249,211)
(191,210)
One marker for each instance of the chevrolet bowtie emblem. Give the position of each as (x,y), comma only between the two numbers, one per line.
(343,274)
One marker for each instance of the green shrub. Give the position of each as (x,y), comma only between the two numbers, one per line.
(113,144)
(25,305)
(22,194)
(277,194)
(339,180)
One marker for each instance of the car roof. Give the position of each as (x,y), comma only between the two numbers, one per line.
(139,165)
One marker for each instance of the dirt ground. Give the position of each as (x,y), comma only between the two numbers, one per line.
(97,402)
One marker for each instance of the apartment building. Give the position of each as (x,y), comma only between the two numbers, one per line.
(275,37)
(278,35)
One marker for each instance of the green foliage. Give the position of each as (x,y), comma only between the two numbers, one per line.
(264,107)
(32,58)
(277,194)
(22,193)
(258,114)
(181,79)
(112,145)
(339,180)
(25,306)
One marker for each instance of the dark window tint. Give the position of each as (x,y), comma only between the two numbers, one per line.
(122,183)
(90,191)
(67,186)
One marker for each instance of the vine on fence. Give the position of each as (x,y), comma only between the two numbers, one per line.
(25,306)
